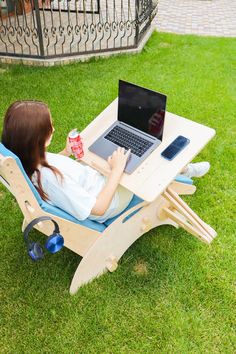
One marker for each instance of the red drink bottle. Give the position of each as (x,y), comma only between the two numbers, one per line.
(77,146)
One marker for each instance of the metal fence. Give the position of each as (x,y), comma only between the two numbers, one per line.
(53,28)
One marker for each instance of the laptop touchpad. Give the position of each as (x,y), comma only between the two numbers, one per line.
(104,150)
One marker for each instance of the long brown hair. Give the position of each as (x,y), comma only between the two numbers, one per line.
(26,128)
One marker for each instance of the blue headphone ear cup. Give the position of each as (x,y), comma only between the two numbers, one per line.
(35,251)
(54,243)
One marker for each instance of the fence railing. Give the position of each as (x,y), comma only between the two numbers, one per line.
(53,28)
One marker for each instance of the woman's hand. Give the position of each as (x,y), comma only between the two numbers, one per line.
(118,160)
(67,150)
(68,146)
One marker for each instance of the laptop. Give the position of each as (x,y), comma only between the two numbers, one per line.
(139,125)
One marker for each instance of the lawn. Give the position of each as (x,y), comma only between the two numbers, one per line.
(171,293)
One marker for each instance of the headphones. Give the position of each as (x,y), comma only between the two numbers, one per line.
(53,244)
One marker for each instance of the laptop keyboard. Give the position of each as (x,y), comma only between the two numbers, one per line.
(128,140)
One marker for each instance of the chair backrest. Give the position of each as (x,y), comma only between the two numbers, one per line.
(13,176)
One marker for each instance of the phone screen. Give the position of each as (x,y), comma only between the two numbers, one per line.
(175,147)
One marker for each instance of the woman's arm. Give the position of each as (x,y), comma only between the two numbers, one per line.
(117,163)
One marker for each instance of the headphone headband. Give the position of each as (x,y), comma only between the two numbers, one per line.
(38,220)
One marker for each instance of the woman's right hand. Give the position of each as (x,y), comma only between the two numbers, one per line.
(68,147)
(118,160)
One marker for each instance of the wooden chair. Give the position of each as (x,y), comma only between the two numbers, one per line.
(102,245)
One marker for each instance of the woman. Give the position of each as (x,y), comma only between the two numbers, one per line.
(70,185)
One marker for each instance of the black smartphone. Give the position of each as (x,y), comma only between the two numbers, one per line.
(175,147)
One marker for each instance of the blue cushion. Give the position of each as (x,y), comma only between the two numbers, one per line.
(183,179)
(134,201)
(51,209)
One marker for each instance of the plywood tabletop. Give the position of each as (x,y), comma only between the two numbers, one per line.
(155,173)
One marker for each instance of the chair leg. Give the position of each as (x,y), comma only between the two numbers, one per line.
(177,210)
(105,253)
(93,264)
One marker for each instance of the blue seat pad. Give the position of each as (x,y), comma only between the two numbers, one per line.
(51,209)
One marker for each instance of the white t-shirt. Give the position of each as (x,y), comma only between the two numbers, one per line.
(76,193)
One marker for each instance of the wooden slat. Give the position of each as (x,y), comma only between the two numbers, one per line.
(184,210)
(185,225)
(192,214)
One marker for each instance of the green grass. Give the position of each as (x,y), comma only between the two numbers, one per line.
(171,293)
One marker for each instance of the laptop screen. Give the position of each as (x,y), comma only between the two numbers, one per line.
(142,108)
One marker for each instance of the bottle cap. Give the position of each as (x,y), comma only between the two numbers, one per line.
(73,134)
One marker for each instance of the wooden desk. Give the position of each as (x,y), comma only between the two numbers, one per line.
(155,174)
(154,182)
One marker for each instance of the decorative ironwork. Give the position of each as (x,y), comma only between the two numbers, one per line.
(87,6)
(52,28)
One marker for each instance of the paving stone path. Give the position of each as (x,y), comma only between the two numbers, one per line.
(202,17)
